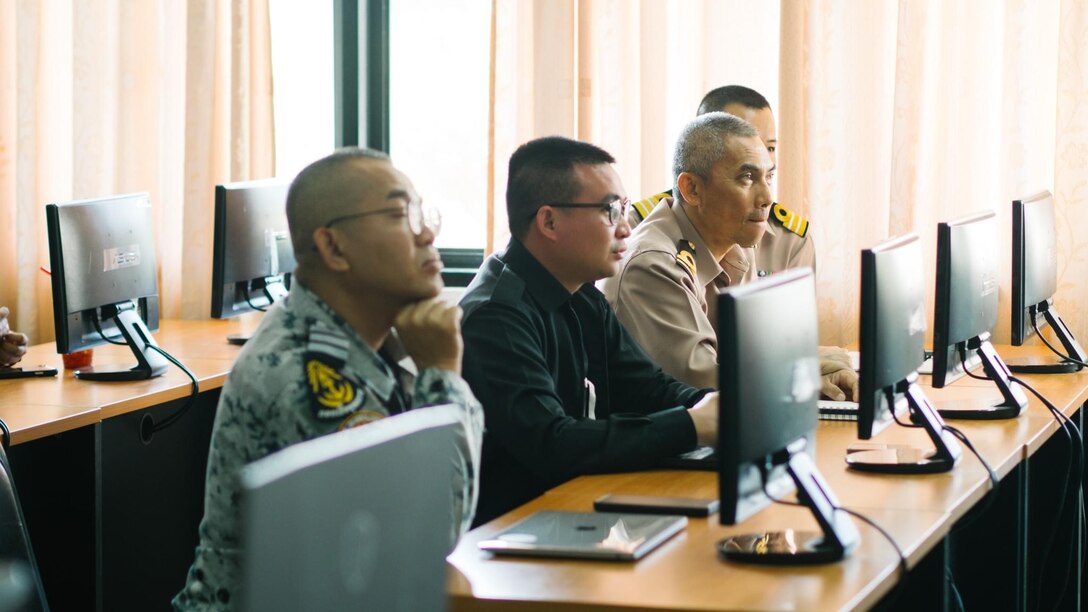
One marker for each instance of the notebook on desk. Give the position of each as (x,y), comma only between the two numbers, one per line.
(831,410)
(585,535)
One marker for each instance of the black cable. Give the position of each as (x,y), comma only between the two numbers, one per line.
(6,440)
(245,291)
(1035,326)
(1074,473)
(955,589)
(903,567)
(194,383)
(189,403)
(102,334)
(991,495)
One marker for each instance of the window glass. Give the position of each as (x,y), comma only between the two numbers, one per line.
(439,56)
(302,82)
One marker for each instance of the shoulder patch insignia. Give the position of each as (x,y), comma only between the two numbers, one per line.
(790,220)
(685,256)
(360,418)
(645,205)
(332,395)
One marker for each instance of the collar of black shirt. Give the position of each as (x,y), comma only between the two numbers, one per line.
(545,288)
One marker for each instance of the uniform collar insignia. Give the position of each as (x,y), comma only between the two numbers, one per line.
(685,256)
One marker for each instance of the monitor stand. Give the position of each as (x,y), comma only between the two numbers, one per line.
(1051,365)
(791,547)
(1013,401)
(912,460)
(149,363)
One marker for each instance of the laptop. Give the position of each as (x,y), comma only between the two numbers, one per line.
(585,535)
(359,519)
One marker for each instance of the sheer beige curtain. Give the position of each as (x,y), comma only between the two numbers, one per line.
(104,97)
(895,116)
(624,75)
(892,116)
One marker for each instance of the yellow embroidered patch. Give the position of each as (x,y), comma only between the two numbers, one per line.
(645,205)
(329,387)
(685,255)
(790,220)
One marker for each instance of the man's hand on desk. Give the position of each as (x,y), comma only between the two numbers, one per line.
(705,417)
(431,334)
(12,344)
(840,381)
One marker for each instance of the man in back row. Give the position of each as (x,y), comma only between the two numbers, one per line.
(566,390)
(786,242)
(692,245)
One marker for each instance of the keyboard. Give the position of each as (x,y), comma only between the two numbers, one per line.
(831,410)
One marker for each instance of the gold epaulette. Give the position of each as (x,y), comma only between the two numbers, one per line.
(790,220)
(645,205)
(685,256)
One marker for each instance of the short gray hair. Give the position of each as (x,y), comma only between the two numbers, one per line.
(702,144)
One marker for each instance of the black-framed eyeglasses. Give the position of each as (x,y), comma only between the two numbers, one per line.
(616,209)
(420,217)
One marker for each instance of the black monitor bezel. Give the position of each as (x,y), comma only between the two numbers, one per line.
(261,291)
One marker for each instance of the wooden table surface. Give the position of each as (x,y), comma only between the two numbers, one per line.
(39,407)
(686,574)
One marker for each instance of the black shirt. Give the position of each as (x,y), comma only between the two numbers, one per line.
(530,347)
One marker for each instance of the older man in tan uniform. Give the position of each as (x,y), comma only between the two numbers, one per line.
(705,239)
(786,243)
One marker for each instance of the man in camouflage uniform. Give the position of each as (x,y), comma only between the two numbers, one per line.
(687,249)
(326,358)
(786,243)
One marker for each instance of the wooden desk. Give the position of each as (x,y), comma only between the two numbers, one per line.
(920,512)
(112,514)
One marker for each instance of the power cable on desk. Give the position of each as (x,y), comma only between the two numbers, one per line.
(250,302)
(194,383)
(1074,473)
(991,495)
(189,403)
(903,567)
(1035,326)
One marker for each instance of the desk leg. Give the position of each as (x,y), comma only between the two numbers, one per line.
(55,478)
(926,585)
(1050,569)
(152,499)
(988,563)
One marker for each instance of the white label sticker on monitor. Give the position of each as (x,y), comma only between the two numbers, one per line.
(272,240)
(121,257)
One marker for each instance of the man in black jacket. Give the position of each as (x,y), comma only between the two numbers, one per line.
(565,389)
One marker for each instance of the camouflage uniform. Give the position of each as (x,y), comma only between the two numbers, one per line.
(305,374)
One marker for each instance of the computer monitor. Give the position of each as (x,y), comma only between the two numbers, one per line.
(105,287)
(1034,283)
(892,333)
(252,259)
(965,311)
(359,519)
(769,378)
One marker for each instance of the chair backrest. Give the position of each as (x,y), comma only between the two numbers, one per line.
(20,583)
(357,520)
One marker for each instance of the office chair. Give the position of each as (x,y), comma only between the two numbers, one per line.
(23,591)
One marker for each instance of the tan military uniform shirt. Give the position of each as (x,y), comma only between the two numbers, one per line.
(666,298)
(787,245)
